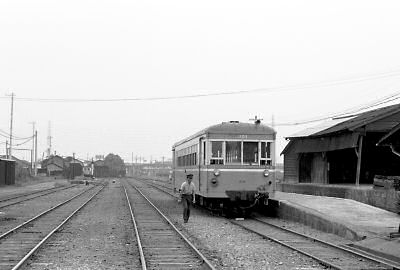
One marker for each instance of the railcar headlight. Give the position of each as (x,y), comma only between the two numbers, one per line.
(214,181)
(216,172)
(266,173)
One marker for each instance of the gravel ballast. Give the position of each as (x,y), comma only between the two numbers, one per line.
(13,215)
(227,245)
(101,236)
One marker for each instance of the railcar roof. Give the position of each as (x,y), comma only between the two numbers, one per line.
(232,128)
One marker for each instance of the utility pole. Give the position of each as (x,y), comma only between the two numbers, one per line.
(49,139)
(11,125)
(273,121)
(131,172)
(7,149)
(73,165)
(273,146)
(35,166)
(33,145)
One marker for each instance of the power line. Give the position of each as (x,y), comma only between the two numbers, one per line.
(348,113)
(7,135)
(349,80)
(24,142)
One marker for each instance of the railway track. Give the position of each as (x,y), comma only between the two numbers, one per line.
(161,244)
(29,196)
(18,244)
(328,254)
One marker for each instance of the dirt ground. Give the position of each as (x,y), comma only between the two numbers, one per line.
(99,237)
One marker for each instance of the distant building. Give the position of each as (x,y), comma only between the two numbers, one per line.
(72,167)
(100,169)
(54,165)
(348,150)
(157,169)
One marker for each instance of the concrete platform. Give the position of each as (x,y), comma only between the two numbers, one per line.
(369,226)
(387,199)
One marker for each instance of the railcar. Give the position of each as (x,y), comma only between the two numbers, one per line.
(233,164)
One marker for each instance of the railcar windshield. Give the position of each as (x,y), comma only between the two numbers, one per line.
(233,152)
(216,153)
(252,153)
(266,153)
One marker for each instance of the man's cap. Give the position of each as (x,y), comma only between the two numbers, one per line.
(189,176)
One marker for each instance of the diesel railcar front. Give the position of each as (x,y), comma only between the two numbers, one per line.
(233,164)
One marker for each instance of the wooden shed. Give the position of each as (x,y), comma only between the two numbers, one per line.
(7,172)
(345,150)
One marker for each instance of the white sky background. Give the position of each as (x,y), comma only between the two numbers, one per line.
(140,49)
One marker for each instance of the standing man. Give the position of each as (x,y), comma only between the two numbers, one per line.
(187,195)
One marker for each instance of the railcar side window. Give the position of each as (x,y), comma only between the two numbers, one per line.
(216,153)
(233,152)
(187,156)
(250,153)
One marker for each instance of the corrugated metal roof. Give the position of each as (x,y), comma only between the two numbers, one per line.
(318,128)
(232,127)
(349,123)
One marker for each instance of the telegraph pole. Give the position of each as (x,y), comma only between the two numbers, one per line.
(35,165)
(11,125)
(49,140)
(132,166)
(33,145)
(274,146)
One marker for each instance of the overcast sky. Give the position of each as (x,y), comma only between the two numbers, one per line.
(114,49)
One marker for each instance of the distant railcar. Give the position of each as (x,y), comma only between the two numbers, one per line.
(232,163)
(88,171)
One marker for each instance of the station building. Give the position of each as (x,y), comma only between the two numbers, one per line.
(346,151)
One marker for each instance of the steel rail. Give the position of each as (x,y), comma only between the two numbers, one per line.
(142,259)
(30,253)
(157,186)
(326,263)
(353,251)
(49,191)
(363,254)
(43,213)
(25,194)
(321,260)
(187,241)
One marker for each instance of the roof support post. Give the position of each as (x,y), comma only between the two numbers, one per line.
(360,145)
(394,151)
